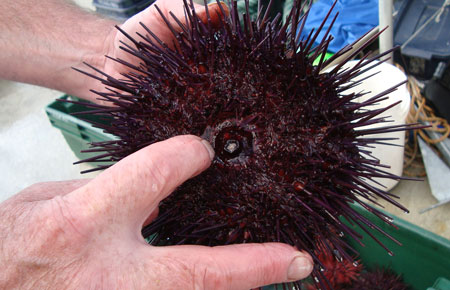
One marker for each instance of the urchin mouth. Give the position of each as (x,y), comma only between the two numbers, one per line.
(232,141)
(233,144)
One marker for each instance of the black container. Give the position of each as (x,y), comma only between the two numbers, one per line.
(422,53)
(115,3)
(123,10)
(444,80)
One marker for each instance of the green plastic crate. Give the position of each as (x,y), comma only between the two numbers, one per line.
(441,284)
(423,260)
(78,133)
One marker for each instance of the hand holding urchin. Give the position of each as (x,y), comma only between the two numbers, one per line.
(291,147)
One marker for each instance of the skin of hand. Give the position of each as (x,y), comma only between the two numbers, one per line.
(42,41)
(152,18)
(86,234)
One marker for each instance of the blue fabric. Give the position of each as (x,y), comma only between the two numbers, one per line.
(356,17)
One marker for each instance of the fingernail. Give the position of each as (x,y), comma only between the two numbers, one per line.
(299,269)
(209,148)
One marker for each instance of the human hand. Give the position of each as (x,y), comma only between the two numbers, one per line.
(152,18)
(87,233)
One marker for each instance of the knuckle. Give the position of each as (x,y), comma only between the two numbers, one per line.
(62,222)
(210,276)
(160,174)
(36,186)
(52,225)
(31,190)
(271,268)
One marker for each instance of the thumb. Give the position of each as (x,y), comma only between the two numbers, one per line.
(131,190)
(244,266)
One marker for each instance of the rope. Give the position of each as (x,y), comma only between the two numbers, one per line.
(420,112)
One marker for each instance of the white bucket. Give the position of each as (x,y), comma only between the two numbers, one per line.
(387,77)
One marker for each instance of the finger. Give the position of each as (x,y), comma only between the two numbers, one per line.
(132,189)
(163,14)
(213,12)
(48,190)
(244,266)
(177,8)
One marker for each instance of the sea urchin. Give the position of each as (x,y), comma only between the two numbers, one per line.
(339,273)
(291,147)
(379,279)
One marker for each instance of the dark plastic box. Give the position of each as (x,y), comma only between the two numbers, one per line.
(431,45)
(122,13)
(115,3)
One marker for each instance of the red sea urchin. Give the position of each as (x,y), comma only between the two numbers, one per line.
(379,279)
(339,273)
(291,147)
